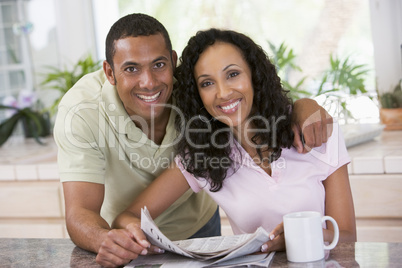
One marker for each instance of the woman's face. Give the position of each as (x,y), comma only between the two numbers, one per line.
(223,79)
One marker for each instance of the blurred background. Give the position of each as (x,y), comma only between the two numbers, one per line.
(314,44)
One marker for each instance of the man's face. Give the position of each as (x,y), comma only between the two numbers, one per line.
(143,75)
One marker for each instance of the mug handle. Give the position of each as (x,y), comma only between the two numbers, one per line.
(336,232)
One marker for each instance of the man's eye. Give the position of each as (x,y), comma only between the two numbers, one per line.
(159,65)
(131,69)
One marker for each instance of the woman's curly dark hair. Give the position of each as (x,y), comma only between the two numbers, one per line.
(270,102)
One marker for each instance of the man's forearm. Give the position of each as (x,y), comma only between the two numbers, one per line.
(87,230)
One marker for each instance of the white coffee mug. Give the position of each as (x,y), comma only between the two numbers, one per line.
(304,236)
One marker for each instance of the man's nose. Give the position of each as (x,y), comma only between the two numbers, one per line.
(147,79)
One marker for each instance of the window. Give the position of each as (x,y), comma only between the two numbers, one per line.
(314,29)
(15,64)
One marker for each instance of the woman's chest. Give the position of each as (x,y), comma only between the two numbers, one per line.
(251,198)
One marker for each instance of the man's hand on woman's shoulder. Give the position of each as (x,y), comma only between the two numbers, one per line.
(312,125)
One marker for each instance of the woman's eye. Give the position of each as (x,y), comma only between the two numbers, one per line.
(205,84)
(233,74)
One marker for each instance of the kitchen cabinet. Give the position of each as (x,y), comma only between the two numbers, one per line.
(31,197)
(376,180)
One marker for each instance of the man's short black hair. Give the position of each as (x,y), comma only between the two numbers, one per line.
(134,25)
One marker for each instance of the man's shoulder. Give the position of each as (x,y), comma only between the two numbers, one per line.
(86,90)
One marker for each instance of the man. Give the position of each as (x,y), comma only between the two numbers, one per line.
(115,133)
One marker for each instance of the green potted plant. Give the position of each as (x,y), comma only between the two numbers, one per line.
(343,79)
(36,120)
(26,110)
(284,60)
(63,79)
(391,108)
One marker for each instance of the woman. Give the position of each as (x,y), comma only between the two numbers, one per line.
(236,145)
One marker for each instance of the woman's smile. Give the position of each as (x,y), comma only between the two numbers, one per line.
(231,106)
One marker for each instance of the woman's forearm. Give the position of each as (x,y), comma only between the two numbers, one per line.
(125,218)
(344,235)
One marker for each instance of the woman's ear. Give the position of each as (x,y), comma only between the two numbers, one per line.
(109,73)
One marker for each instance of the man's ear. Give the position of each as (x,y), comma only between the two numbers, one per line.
(109,73)
(174,59)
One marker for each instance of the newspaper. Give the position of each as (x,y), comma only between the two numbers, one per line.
(171,260)
(217,248)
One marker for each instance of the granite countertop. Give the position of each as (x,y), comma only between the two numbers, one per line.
(33,252)
(19,252)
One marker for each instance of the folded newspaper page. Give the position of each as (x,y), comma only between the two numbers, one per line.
(171,260)
(219,248)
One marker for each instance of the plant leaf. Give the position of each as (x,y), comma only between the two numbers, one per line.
(7,127)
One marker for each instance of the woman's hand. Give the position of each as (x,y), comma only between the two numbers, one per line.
(277,240)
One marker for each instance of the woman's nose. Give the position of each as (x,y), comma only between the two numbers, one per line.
(224,91)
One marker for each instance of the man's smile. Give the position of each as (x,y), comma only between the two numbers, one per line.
(147,98)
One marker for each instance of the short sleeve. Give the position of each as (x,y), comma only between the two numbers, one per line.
(79,158)
(192,181)
(332,154)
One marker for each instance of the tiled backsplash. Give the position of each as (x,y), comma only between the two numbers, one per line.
(382,155)
(25,159)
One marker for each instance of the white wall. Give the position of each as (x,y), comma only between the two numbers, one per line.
(66,31)
(106,13)
(82,26)
(386,25)
(63,32)
(75,30)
